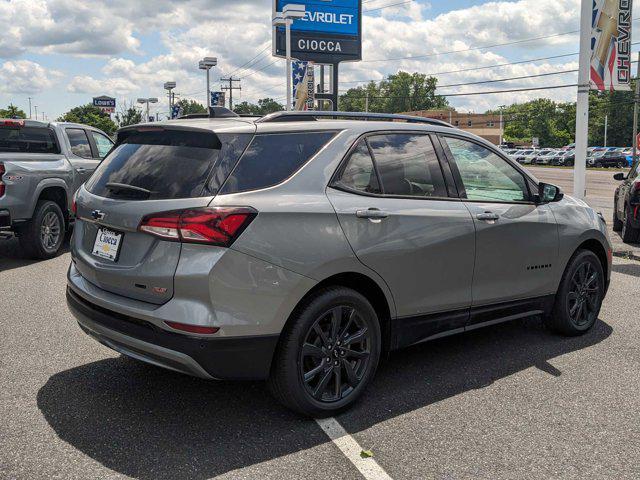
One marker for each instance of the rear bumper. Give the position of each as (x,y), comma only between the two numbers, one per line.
(233,358)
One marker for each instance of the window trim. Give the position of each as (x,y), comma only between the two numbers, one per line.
(458,177)
(440,156)
(94,144)
(91,147)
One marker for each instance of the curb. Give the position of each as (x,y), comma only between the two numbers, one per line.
(628,254)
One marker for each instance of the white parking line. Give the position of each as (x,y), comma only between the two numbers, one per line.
(368,467)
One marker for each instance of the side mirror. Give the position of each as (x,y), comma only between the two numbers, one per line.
(549,193)
(619,176)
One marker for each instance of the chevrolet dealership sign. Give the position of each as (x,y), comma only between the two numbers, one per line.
(330,32)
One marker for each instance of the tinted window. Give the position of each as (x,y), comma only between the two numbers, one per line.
(170,164)
(79,142)
(359,173)
(103,144)
(28,139)
(485,175)
(407,165)
(271,159)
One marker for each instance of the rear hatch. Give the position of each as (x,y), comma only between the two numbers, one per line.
(150,170)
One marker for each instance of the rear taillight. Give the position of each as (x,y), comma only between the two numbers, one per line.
(2,185)
(210,225)
(74,204)
(12,123)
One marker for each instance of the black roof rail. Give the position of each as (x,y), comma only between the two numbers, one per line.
(301,116)
(214,112)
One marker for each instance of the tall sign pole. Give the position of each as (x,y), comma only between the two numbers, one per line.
(636,99)
(582,107)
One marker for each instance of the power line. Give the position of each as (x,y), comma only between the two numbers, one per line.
(387,6)
(437,54)
(242,67)
(508,79)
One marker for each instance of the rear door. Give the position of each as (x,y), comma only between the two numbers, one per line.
(148,172)
(81,154)
(394,207)
(516,239)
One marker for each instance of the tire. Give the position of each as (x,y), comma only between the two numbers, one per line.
(620,165)
(335,379)
(598,165)
(42,237)
(579,297)
(617,223)
(628,233)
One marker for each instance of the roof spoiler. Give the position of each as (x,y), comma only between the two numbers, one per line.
(214,112)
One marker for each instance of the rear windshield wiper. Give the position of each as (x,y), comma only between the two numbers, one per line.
(132,188)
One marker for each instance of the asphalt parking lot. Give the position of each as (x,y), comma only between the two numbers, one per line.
(505,402)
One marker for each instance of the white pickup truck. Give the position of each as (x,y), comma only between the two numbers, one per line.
(41,166)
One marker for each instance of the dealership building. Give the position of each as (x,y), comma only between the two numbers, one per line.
(484,125)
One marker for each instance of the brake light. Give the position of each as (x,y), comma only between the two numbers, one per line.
(74,205)
(2,185)
(11,123)
(192,328)
(210,225)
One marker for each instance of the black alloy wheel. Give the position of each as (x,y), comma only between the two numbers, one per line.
(328,352)
(335,354)
(583,299)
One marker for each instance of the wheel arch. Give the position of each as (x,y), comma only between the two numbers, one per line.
(367,287)
(54,189)
(599,250)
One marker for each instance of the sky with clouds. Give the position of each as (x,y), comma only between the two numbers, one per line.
(63,52)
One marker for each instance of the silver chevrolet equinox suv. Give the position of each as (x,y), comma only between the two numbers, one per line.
(301,247)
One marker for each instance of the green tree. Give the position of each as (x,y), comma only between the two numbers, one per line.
(128,115)
(263,107)
(190,106)
(401,92)
(12,112)
(90,115)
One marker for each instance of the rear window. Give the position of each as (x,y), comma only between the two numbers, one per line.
(270,159)
(28,139)
(168,164)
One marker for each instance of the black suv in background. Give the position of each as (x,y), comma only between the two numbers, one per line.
(626,206)
(607,159)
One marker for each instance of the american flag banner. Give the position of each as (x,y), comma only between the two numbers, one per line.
(303,85)
(217,99)
(176,111)
(611,45)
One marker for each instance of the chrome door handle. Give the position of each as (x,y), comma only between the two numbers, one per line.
(372,213)
(487,216)
(83,170)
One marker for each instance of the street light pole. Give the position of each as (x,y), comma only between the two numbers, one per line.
(169,86)
(606,124)
(289,13)
(582,106)
(205,64)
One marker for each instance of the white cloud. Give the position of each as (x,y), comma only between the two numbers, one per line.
(23,76)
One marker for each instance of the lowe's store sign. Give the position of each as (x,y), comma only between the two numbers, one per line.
(330,32)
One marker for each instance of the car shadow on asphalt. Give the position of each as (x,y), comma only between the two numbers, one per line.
(147,423)
(632,269)
(12,256)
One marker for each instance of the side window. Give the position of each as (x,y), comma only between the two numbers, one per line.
(272,158)
(359,173)
(407,165)
(79,142)
(485,175)
(103,144)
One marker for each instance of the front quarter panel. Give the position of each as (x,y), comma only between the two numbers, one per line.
(578,223)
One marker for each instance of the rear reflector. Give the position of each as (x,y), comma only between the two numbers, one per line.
(210,225)
(192,328)
(2,185)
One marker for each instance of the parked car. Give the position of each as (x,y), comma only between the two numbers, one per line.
(41,166)
(563,158)
(607,158)
(543,157)
(626,205)
(300,251)
(525,156)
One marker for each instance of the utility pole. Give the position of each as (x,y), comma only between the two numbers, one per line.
(606,122)
(231,88)
(366,102)
(636,99)
(29,107)
(35,107)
